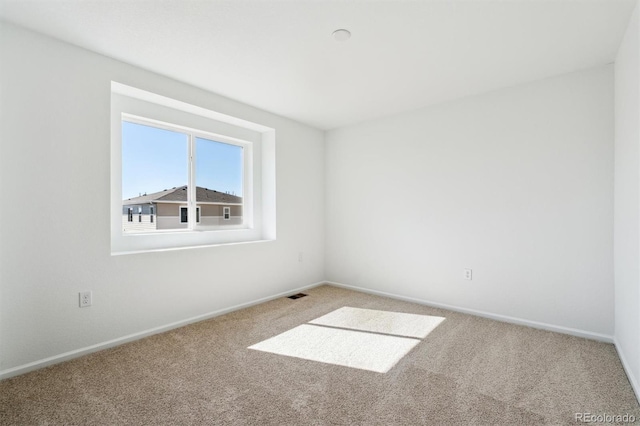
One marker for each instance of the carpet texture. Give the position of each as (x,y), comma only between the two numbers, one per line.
(467,370)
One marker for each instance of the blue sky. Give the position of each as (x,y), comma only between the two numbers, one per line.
(156,159)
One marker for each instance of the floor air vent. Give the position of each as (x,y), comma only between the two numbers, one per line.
(297,296)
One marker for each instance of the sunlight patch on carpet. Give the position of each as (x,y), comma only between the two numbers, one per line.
(396,323)
(366,351)
(366,339)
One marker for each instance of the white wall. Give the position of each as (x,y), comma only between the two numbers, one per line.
(55,157)
(627,201)
(516,184)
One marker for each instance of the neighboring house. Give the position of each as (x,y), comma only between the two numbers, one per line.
(168,210)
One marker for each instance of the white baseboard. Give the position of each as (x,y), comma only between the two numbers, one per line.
(497,317)
(632,379)
(35,365)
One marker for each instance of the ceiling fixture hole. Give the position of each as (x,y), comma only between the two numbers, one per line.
(341,35)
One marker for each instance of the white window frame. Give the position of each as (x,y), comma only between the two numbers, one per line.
(259,208)
(226,211)
(192,135)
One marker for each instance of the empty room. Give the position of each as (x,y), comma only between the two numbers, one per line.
(319,212)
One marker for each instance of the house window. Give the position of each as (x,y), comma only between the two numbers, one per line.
(226,214)
(129,214)
(188,162)
(184,217)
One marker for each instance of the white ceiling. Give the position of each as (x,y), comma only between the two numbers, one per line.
(280,56)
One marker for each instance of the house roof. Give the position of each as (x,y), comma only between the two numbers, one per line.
(179,194)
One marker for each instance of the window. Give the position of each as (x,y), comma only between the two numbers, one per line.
(160,160)
(184,217)
(199,177)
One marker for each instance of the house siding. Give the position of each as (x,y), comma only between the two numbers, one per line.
(216,210)
(141,218)
(141,223)
(168,216)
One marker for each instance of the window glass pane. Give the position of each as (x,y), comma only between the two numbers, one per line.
(219,173)
(154,171)
(184,218)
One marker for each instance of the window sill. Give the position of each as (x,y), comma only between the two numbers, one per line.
(186,231)
(123,253)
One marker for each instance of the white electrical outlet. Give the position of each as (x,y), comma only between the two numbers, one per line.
(468,274)
(85,299)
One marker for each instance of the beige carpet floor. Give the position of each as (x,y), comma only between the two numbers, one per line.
(468,370)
